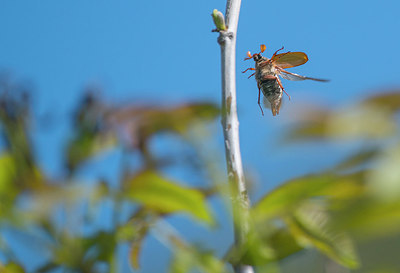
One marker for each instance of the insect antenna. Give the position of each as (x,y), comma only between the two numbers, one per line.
(262,49)
(249,56)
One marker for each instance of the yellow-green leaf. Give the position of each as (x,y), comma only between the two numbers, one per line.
(8,186)
(311,226)
(192,259)
(287,197)
(12,268)
(164,196)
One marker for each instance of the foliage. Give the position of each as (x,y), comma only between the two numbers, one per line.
(334,211)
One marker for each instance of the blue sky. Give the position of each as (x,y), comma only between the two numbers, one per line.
(164,52)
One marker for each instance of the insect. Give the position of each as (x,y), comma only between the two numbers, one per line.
(267,71)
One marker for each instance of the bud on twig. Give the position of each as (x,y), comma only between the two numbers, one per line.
(219,21)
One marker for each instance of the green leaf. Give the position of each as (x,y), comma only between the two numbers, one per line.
(87,144)
(360,158)
(364,121)
(12,268)
(302,204)
(8,186)
(181,262)
(368,217)
(266,245)
(92,134)
(48,267)
(311,225)
(7,171)
(288,196)
(164,196)
(255,251)
(283,243)
(135,230)
(176,119)
(144,122)
(189,258)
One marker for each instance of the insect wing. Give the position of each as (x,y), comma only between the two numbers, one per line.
(295,77)
(290,59)
(274,108)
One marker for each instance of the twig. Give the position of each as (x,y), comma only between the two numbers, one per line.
(230,124)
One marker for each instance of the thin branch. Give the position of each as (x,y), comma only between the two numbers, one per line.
(230,124)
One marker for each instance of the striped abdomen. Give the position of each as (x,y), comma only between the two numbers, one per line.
(273,92)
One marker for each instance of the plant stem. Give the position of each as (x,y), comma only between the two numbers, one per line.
(230,124)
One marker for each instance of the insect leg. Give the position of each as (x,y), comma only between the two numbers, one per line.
(259,94)
(280,84)
(276,52)
(251,75)
(251,68)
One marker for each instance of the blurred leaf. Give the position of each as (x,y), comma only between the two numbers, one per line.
(150,120)
(385,177)
(311,226)
(7,171)
(283,243)
(386,270)
(390,101)
(181,262)
(367,120)
(136,245)
(367,217)
(165,196)
(100,191)
(360,123)
(288,196)
(255,251)
(12,267)
(104,244)
(47,268)
(15,118)
(139,123)
(82,253)
(69,252)
(134,254)
(91,135)
(188,258)
(266,245)
(135,230)
(86,145)
(298,203)
(363,157)
(45,199)
(8,189)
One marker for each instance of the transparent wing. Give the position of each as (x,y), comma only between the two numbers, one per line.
(290,59)
(295,77)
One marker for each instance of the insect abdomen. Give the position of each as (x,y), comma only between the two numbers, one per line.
(273,92)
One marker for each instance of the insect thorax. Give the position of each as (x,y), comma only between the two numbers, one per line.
(265,76)
(264,69)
